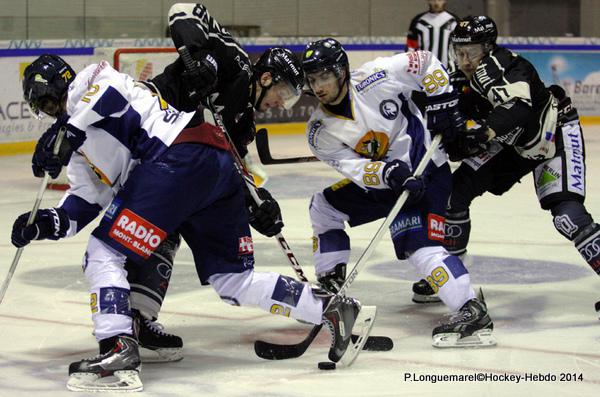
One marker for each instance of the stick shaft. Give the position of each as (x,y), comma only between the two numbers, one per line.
(32,214)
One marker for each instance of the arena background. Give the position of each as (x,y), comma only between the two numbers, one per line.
(557,36)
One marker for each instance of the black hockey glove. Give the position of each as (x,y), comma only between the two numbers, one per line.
(266,217)
(443,116)
(51,223)
(333,280)
(202,76)
(398,176)
(43,156)
(471,143)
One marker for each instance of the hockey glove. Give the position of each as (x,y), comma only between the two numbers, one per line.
(399,177)
(51,223)
(43,156)
(333,280)
(443,116)
(202,76)
(472,142)
(266,217)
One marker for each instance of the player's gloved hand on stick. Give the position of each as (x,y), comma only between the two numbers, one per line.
(333,280)
(51,223)
(399,177)
(266,217)
(44,159)
(474,141)
(443,116)
(202,77)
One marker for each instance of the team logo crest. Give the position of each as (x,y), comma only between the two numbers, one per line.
(373,145)
(389,109)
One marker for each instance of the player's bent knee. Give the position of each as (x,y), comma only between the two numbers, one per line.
(103,265)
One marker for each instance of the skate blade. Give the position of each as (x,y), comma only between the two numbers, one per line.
(418,298)
(481,338)
(163,355)
(127,381)
(362,328)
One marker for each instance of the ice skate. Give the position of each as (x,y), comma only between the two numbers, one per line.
(163,347)
(121,361)
(423,293)
(344,315)
(471,326)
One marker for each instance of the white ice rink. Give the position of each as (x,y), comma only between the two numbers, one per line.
(540,294)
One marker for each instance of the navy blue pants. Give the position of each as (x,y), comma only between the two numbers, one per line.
(419,223)
(194,189)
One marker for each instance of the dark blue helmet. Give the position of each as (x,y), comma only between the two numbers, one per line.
(45,84)
(325,54)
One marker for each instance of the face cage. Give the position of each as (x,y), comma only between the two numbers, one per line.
(287,92)
(471,51)
(44,106)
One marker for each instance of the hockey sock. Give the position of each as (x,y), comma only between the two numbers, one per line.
(446,274)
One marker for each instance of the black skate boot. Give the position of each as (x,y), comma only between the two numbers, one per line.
(471,326)
(423,293)
(150,334)
(341,316)
(119,357)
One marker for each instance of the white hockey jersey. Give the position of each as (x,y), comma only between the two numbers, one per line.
(123,123)
(385,124)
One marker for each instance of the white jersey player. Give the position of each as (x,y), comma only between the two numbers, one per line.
(369,130)
(169,173)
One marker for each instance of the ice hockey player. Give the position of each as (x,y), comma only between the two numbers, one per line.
(237,88)
(523,127)
(368,129)
(170,170)
(224,71)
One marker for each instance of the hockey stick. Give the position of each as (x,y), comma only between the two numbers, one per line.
(264,153)
(279,352)
(32,214)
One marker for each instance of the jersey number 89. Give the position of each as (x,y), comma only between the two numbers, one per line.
(433,81)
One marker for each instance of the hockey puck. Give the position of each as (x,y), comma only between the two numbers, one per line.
(326,365)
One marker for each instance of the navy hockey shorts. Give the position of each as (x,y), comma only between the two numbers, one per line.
(194,189)
(419,223)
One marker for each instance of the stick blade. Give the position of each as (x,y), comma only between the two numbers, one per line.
(273,351)
(264,152)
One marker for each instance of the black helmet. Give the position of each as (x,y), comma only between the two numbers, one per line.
(45,82)
(283,65)
(324,54)
(475,30)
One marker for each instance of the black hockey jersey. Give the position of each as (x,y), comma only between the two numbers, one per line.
(507,93)
(191,25)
